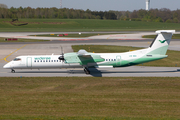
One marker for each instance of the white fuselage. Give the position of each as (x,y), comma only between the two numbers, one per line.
(38,62)
(52,61)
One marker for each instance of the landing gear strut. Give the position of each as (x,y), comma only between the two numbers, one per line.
(12,70)
(86,70)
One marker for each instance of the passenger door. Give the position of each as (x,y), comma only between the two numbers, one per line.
(29,61)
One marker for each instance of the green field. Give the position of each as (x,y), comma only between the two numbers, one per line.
(90,98)
(171,61)
(65,25)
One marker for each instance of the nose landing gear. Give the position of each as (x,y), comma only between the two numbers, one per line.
(12,71)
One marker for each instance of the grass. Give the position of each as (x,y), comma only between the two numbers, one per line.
(89,98)
(103,48)
(171,61)
(175,36)
(65,25)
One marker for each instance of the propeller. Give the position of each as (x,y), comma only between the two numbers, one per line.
(62,55)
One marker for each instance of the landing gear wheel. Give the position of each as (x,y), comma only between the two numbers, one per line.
(13,71)
(86,71)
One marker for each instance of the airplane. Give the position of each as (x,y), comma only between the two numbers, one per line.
(83,59)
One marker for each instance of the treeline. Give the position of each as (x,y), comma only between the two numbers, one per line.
(153,15)
(63,13)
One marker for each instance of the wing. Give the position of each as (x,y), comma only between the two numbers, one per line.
(83,57)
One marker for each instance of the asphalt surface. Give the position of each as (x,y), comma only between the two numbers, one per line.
(10,50)
(133,71)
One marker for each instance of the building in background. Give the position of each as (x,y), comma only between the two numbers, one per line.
(147,5)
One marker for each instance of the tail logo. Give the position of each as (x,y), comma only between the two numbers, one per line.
(162,41)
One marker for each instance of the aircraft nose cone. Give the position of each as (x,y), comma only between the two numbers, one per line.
(7,66)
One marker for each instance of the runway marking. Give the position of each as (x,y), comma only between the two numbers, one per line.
(5,59)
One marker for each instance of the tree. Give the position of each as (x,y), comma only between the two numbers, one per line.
(155,15)
(168,21)
(175,20)
(165,14)
(159,20)
(3,6)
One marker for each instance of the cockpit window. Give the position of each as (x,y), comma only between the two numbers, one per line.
(17,59)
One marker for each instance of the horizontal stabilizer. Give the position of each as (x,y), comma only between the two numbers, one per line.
(165,31)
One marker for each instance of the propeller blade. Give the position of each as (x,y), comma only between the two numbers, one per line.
(62,55)
(62,50)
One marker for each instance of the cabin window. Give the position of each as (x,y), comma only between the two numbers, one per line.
(34,60)
(17,59)
(114,59)
(54,60)
(134,55)
(43,60)
(46,60)
(51,60)
(38,61)
(57,60)
(130,55)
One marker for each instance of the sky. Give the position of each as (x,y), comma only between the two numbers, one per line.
(95,5)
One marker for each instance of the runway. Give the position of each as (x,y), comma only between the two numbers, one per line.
(133,71)
(11,50)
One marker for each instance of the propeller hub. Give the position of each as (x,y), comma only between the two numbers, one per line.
(61,58)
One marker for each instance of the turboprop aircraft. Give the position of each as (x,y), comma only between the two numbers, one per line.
(83,59)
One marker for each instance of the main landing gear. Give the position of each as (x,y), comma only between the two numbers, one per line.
(86,70)
(12,70)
